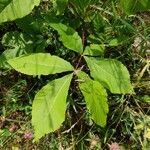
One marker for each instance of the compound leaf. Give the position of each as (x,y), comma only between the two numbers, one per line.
(111,73)
(96,98)
(14,9)
(49,106)
(40,64)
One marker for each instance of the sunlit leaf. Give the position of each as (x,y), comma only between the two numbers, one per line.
(13,9)
(68,36)
(40,64)
(111,73)
(96,98)
(94,50)
(49,106)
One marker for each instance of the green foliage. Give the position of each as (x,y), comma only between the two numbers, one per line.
(12,9)
(18,44)
(92,73)
(40,64)
(3,4)
(31,25)
(16,40)
(133,6)
(81,6)
(49,106)
(94,50)
(95,97)
(60,6)
(68,34)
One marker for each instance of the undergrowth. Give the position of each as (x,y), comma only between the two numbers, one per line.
(127,39)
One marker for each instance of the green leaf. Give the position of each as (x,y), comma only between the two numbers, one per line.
(4,133)
(4,3)
(114,42)
(96,98)
(13,9)
(17,40)
(31,24)
(145,98)
(40,64)
(49,106)
(18,44)
(68,36)
(94,50)
(5,56)
(60,6)
(133,6)
(111,73)
(98,22)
